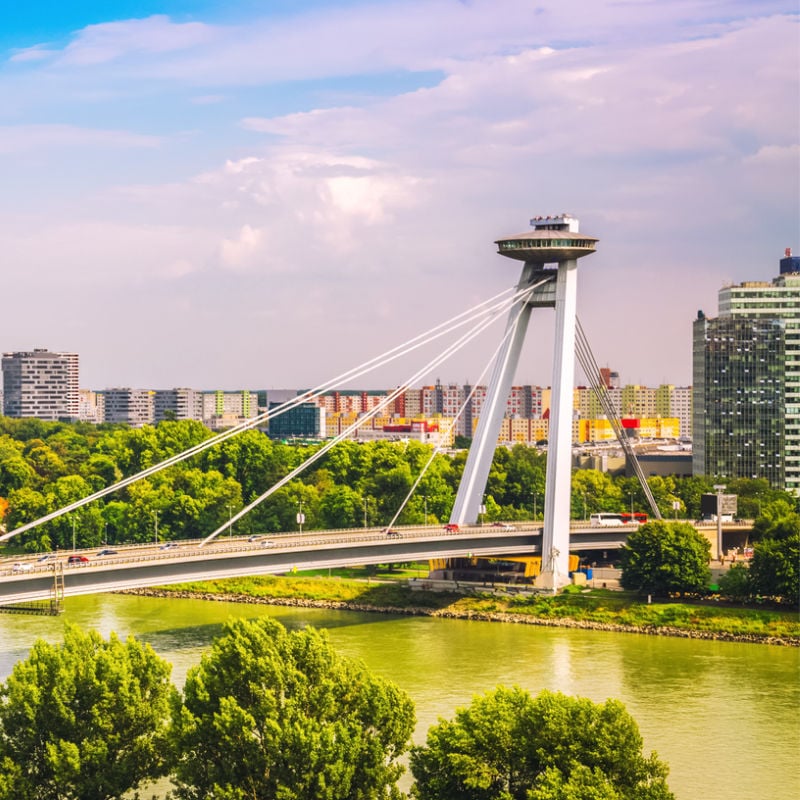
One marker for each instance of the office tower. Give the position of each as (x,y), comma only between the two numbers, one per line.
(40,384)
(746,361)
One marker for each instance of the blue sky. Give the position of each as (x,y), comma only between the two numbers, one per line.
(265,194)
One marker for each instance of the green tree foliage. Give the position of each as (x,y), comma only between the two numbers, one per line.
(525,476)
(15,471)
(664,558)
(735,582)
(778,520)
(599,491)
(690,490)
(85,719)
(775,568)
(253,460)
(270,713)
(341,507)
(508,745)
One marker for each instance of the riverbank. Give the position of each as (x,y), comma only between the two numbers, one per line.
(591,610)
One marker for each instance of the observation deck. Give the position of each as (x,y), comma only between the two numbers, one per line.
(553,239)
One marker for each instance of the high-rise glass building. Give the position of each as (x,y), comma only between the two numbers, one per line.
(746,361)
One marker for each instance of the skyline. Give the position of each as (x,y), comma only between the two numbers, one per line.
(199,194)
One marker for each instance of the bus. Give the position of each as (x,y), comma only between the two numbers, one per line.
(637,517)
(604,519)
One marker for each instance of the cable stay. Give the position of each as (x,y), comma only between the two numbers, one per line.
(438,448)
(592,372)
(486,309)
(435,362)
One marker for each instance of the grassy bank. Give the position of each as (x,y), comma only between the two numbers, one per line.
(591,608)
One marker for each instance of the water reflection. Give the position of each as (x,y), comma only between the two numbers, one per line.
(723,715)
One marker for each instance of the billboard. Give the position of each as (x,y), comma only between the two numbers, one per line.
(728,505)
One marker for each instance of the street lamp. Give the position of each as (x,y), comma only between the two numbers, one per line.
(155,526)
(584,506)
(301,517)
(425,498)
(365,512)
(631,493)
(73,533)
(230,521)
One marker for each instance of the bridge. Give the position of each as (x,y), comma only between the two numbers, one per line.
(553,241)
(139,566)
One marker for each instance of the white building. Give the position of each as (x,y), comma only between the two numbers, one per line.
(40,384)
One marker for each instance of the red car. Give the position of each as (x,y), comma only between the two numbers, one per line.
(451,527)
(77,560)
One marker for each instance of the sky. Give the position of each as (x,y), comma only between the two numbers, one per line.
(265,194)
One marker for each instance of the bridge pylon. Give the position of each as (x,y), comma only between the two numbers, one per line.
(550,252)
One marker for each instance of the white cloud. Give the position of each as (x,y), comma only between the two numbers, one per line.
(239,253)
(38,52)
(18,138)
(673,136)
(157,35)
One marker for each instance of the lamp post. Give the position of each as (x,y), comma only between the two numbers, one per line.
(425,498)
(365,512)
(230,521)
(584,506)
(534,506)
(155,527)
(73,533)
(301,517)
(631,494)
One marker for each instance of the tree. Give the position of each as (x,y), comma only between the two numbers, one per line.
(270,713)
(665,557)
(775,568)
(341,507)
(778,520)
(508,745)
(85,719)
(735,582)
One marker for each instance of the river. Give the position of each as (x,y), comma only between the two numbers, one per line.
(724,716)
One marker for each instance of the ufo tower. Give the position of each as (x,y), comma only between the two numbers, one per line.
(550,252)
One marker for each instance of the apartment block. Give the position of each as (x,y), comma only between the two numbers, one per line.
(41,384)
(180,403)
(134,407)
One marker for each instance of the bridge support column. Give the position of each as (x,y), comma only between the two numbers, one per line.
(555,536)
(479,461)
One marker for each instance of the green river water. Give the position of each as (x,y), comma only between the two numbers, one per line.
(724,716)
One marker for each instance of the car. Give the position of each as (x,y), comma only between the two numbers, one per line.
(504,526)
(168,545)
(22,566)
(451,527)
(46,557)
(107,552)
(254,538)
(392,534)
(77,560)
(268,543)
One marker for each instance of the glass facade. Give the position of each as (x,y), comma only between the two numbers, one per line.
(738,414)
(740,394)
